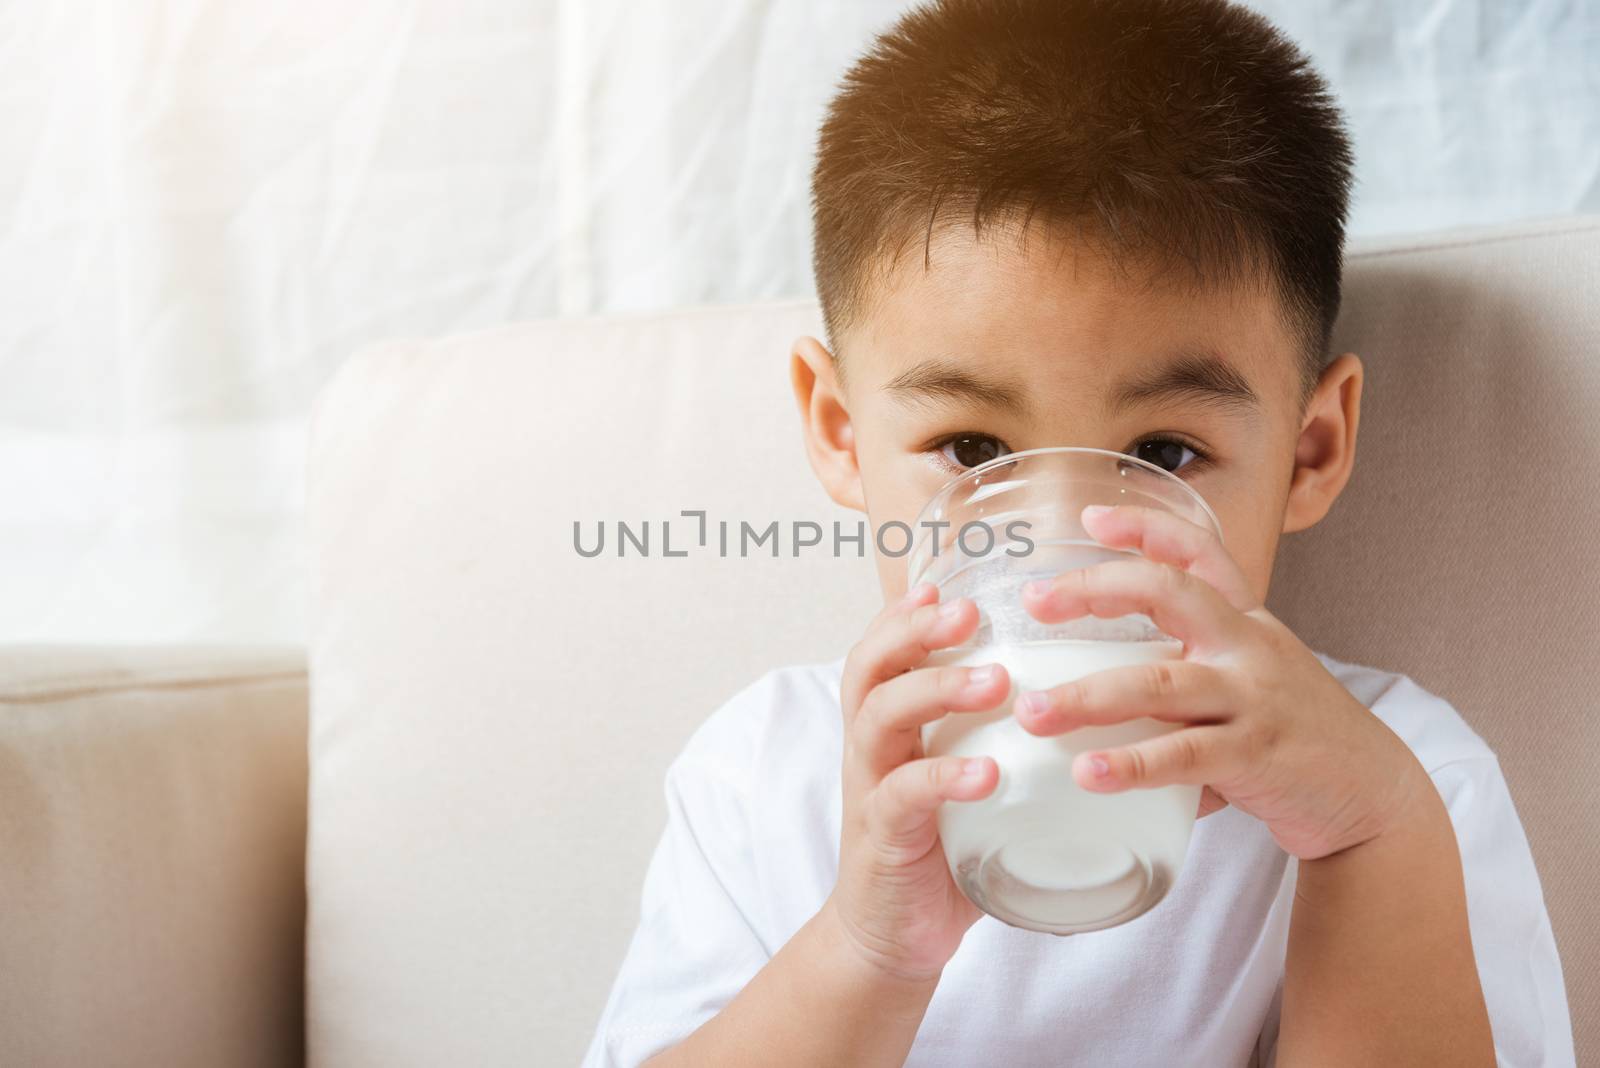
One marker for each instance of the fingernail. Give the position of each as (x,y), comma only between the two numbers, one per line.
(915,593)
(1032,703)
(972,768)
(979,678)
(1099,766)
(1096,510)
(1037,588)
(950,609)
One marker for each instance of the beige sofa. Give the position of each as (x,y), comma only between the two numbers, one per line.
(491,713)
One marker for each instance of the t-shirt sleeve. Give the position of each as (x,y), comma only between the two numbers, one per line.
(1518,966)
(697,942)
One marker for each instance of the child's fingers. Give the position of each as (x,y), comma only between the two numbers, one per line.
(1180,691)
(1177,602)
(885,731)
(1191,755)
(1170,539)
(917,596)
(899,641)
(900,810)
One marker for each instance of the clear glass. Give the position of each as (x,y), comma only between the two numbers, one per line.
(1041,852)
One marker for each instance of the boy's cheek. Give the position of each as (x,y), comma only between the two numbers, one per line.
(895,492)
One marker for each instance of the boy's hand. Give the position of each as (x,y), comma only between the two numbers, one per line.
(1266,727)
(895,902)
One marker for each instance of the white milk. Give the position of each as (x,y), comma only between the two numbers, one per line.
(1041,852)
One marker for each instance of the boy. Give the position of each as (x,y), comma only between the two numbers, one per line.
(1118,225)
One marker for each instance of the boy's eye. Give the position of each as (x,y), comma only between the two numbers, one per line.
(1165,453)
(970,450)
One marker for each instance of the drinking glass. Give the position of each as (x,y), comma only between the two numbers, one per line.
(1041,852)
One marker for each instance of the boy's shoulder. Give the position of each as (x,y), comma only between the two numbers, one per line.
(788,717)
(1428,724)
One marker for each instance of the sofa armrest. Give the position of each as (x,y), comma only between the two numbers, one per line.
(152,845)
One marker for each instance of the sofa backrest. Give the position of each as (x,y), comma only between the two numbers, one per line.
(492,711)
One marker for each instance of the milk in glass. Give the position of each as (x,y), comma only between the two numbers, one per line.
(1041,851)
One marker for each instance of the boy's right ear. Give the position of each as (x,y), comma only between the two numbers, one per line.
(825,422)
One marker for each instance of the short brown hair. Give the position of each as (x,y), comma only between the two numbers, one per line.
(1191,130)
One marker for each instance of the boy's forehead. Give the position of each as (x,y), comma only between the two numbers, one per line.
(1023,306)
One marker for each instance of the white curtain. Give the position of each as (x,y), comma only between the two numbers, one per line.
(207,204)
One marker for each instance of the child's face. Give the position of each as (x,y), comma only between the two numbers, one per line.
(998,348)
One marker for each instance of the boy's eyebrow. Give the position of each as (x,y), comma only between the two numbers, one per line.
(935,378)
(1201,375)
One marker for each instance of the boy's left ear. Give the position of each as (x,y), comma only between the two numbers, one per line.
(825,422)
(1326,450)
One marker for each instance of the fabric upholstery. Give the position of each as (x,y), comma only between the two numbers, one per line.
(152,820)
(492,712)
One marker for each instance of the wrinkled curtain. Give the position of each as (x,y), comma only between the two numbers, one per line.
(207,204)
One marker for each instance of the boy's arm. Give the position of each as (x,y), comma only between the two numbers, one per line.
(1518,965)
(816,1002)
(852,984)
(1380,964)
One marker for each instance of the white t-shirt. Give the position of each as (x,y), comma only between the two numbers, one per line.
(751,851)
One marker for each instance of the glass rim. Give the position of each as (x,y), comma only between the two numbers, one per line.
(1122,457)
